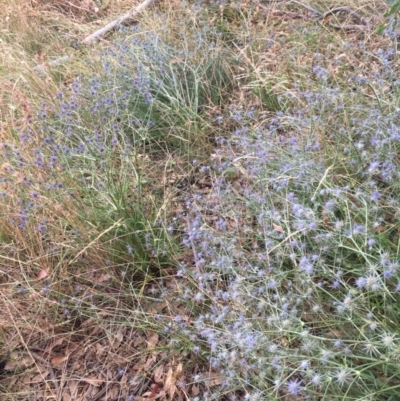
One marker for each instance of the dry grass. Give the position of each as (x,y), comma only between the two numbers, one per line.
(45,351)
(114,348)
(34,33)
(37,32)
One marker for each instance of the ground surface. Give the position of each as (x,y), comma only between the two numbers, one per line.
(73,326)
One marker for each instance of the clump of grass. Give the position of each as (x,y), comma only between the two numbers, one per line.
(90,145)
(84,186)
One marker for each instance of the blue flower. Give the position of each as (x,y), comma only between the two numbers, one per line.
(294,386)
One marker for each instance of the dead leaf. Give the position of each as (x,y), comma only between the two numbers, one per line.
(57,360)
(100,349)
(40,57)
(55,343)
(40,377)
(277,228)
(18,363)
(378,229)
(195,390)
(112,394)
(152,341)
(179,369)
(158,373)
(213,379)
(66,396)
(149,363)
(26,379)
(285,342)
(176,60)
(308,317)
(103,278)
(334,334)
(71,347)
(169,385)
(59,208)
(43,274)
(11,366)
(117,338)
(93,380)
(73,388)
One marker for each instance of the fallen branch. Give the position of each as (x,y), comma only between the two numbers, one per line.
(113,24)
(99,33)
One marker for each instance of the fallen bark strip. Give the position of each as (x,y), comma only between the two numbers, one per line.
(123,18)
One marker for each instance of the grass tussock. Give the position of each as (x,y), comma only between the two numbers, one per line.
(205,206)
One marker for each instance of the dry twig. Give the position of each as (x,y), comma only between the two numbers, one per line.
(130,15)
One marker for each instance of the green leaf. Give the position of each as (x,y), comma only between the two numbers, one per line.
(380,28)
(394,9)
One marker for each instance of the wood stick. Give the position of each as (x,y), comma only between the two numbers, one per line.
(127,16)
(96,35)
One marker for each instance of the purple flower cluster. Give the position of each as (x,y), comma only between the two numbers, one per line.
(293,247)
